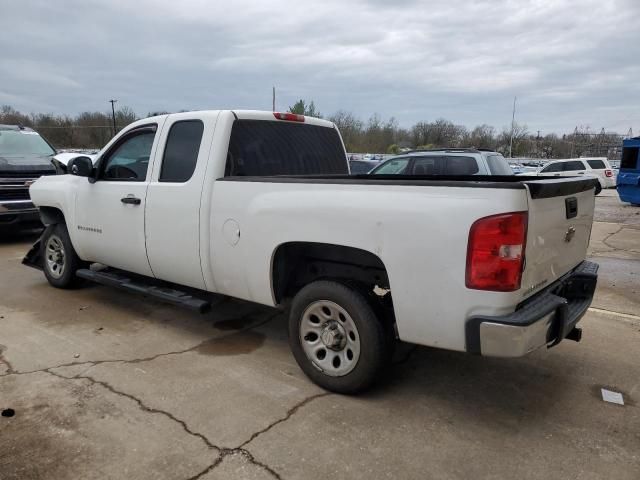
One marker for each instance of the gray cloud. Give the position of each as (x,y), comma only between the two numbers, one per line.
(570,63)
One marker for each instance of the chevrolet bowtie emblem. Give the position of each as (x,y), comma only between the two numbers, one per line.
(571,232)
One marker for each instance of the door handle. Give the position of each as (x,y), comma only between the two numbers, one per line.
(580,173)
(131,200)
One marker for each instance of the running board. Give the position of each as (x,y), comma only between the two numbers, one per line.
(138,284)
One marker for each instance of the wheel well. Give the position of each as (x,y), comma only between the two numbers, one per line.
(51,215)
(296,264)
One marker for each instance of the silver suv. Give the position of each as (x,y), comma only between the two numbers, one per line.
(451,161)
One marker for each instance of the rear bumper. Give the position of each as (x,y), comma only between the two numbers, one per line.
(545,319)
(18,211)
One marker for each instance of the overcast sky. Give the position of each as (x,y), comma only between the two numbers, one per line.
(569,62)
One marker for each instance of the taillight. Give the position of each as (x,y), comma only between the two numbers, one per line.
(292,117)
(495,252)
(608,173)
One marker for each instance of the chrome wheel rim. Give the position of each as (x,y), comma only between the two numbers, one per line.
(55,256)
(330,338)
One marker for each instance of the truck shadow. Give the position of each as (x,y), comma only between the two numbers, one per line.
(502,392)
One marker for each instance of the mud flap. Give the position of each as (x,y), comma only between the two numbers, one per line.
(33,258)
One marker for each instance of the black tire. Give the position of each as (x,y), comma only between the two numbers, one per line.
(373,347)
(65,274)
(598,189)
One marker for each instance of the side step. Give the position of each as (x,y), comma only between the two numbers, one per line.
(151,287)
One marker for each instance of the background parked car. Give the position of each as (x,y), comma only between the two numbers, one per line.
(24,157)
(597,167)
(459,161)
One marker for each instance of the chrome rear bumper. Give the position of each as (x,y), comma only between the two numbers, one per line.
(545,319)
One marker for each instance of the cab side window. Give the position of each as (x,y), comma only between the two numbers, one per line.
(181,152)
(573,166)
(130,160)
(554,167)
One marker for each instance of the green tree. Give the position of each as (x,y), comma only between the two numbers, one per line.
(302,108)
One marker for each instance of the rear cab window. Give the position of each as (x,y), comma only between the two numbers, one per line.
(267,148)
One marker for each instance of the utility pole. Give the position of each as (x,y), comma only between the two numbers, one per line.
(113,114)
(273,99)
(513,119)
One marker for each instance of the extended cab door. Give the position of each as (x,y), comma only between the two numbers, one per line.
(173,198)
(110,212)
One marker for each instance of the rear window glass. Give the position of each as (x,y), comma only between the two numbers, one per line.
(630,157)
(596,164)
(259,148)
(498,165)
(181,151)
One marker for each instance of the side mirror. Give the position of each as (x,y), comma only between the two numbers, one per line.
(80,166)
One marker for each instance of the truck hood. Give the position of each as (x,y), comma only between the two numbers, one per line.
(25,164)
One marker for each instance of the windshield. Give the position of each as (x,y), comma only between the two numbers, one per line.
(22,143)
(397,166)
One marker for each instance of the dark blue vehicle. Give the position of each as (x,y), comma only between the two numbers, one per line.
(628,182)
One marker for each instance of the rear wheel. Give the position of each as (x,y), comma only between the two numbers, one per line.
(598,189)
(60,261)
(336,337)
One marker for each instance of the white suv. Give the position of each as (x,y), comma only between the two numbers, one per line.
(598,167)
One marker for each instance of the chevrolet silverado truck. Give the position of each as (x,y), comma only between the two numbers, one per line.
(260,206)
(24,157)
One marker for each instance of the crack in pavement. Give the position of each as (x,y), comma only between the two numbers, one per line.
(605,239)
(93,363)
(10,370)
(222,452)
(287,416)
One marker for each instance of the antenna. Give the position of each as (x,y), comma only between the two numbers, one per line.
(513,118)
(113,114)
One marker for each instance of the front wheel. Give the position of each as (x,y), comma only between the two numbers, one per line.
(60,261)
(336,337)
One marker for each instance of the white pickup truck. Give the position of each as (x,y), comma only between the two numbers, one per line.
(260,206)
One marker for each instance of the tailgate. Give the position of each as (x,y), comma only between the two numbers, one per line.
(560,220)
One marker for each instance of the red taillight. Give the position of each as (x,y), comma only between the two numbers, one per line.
(496,252)
(608,173)
(292,117)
